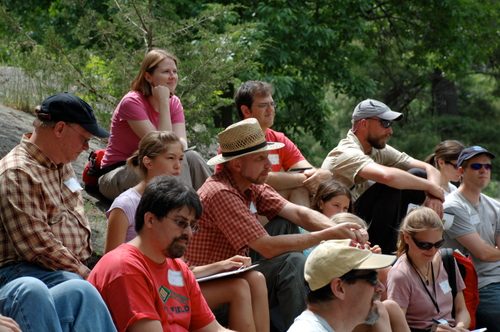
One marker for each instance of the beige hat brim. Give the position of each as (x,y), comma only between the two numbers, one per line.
(376,261)
(219,159)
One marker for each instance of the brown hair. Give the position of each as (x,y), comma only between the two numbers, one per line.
(151,145)
(327,190)
(248,90)
(148,65)
(446,150)
(417,220)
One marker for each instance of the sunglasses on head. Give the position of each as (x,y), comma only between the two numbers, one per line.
(371,277)
(428,245)
(478,166)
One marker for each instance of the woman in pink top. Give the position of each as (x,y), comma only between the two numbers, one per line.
(418,281)
(150,105)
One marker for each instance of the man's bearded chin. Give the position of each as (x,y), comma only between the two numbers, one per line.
(373,315)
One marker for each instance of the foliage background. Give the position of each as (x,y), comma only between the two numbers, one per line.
(436,61)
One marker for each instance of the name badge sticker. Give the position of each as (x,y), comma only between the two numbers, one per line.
(445,286)
(274,159)
(448,220)
(252,208)
(73,185)
(175,278)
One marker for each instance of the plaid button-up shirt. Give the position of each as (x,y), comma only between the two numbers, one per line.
(42,221)
(229,220)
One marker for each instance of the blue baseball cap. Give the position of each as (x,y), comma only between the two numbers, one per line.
(69,108)
(471,152)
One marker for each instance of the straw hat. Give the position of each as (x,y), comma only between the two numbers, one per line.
(242,138)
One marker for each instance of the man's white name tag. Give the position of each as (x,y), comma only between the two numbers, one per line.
(73,185)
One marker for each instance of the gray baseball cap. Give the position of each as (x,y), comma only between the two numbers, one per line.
(370,108)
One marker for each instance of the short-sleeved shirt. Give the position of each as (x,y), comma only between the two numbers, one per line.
(483,219)
(347,159)
(41,212)
(229,219)
(406,288)
(122,141)
(308,321)
(281,159)
(134,287)
(127,201)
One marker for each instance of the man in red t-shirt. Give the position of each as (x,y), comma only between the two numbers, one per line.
(254,100)
(145,283)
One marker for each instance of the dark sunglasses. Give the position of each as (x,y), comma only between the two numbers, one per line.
(478,166)
(450,163)
(371,277)
(428,245)
(384,123)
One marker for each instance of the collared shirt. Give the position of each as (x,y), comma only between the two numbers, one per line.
(229,220)
(347,159)
(42,220)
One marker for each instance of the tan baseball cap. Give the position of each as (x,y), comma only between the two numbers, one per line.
(334,258)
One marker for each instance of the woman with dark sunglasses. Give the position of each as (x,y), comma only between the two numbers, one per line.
(444,158)
(418,281)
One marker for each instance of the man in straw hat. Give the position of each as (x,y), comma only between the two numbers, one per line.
(343,286)
(382,179)
(231,200)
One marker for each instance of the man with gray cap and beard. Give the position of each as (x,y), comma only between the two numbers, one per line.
(382,180)
(343,286)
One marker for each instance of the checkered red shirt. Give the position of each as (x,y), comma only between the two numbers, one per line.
(229,220)
(41,220)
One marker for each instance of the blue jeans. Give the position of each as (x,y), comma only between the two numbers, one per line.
(488,311)
(24,269)
(73,305)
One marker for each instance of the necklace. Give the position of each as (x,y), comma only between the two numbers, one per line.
(425,275)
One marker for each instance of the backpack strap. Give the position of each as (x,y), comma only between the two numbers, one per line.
(449,266)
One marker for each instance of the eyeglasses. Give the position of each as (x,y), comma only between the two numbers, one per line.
(428,245)
(184,224)
(371,277)
(478,166)
(85,140)
(455,166)
(384,123)
(265,106)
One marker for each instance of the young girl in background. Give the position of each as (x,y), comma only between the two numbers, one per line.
(161,153)
(331,198)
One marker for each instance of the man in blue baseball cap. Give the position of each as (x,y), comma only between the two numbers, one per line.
(43,230)
(476,229)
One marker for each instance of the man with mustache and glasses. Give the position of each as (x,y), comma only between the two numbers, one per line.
(382,180)
(476,230)
(145,283)
(342,288)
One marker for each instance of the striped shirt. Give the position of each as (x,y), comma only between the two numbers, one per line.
(42,220)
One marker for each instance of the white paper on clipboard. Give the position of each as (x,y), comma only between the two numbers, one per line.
(226,274)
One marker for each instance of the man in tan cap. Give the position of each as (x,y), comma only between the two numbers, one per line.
(231,200)
(343,286)
(382,179)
